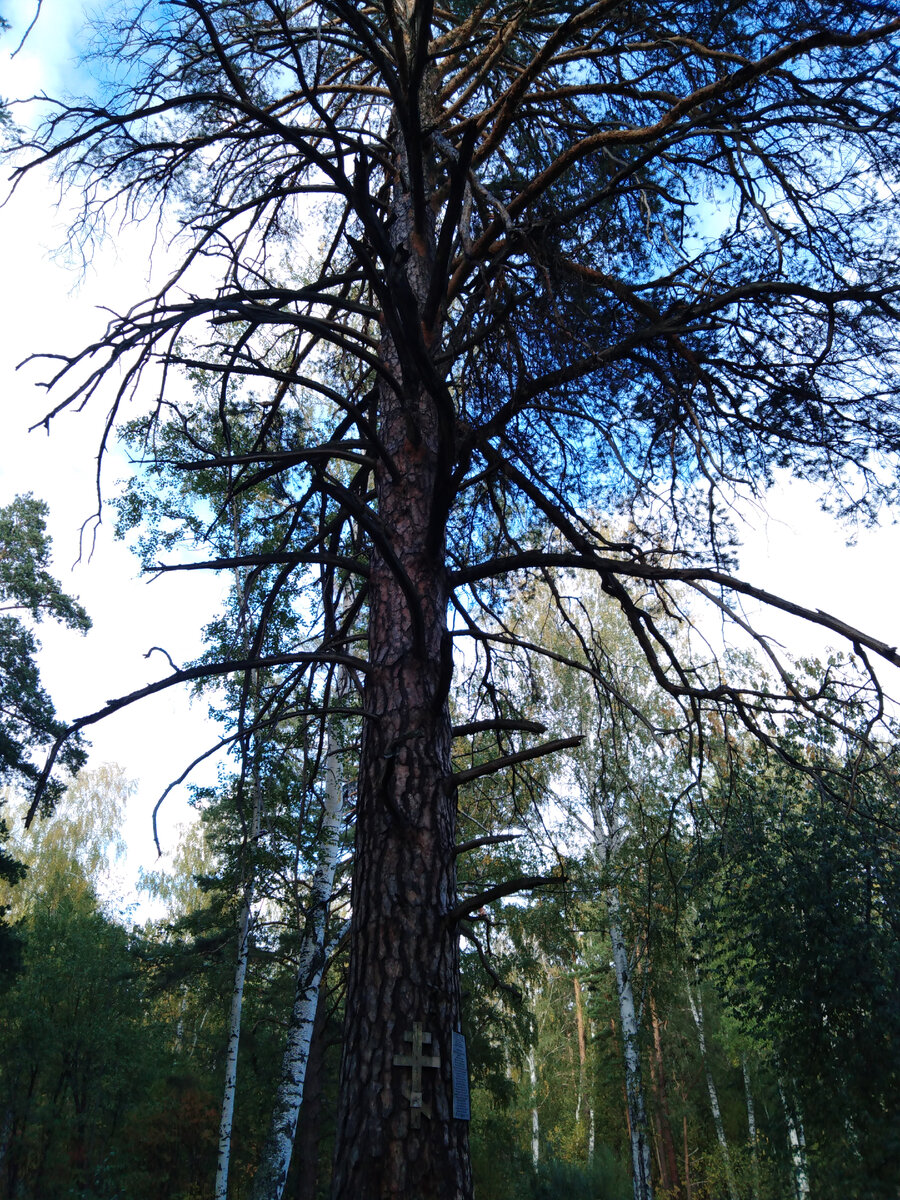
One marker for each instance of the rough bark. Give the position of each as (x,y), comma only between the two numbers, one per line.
(393,1141)
(641,1163)
(275,1160)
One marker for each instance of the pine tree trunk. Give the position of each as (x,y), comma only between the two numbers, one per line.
(641,1163)
(275,1160)
(697,1013)
(396,1134)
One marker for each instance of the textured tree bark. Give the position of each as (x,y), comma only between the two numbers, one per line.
(404,953)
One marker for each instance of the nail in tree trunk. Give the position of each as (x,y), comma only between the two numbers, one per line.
(641,1163)
(697,1013)
(396,1134)
(275,1161)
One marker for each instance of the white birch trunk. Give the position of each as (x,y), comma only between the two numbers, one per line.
(223,1159)
(231,1055)
(751,1127)
(798,1146)
(276,1156)
(697,1014)
(641,1164)
(592,1136)
(535,1119)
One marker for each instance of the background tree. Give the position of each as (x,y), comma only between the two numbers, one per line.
(799,932)
(608,256)
(28,721)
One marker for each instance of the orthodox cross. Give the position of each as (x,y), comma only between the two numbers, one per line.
(416,1060)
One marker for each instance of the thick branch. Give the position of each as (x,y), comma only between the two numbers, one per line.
(508,760)
(521,884)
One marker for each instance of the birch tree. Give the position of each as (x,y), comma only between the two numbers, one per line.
(607,785)
(276,1155)
(561,258)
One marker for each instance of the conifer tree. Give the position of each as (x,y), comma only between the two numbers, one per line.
(516,262)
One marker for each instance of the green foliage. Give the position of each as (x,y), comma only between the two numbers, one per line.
(800,929)
(503,1169)
(73,1050)
(603,1179)
(28,594)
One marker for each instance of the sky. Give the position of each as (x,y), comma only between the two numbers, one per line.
(50,303)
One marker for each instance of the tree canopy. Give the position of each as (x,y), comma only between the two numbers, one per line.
(484,270)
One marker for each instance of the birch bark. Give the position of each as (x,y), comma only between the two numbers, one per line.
(697,1014)
(226,1121)
(641,1163)
(275,1161)
(797,1143)
(223,1159)
(751,1126)
(535,1116)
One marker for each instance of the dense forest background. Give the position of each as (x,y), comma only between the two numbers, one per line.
(477,324)
(757,914)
